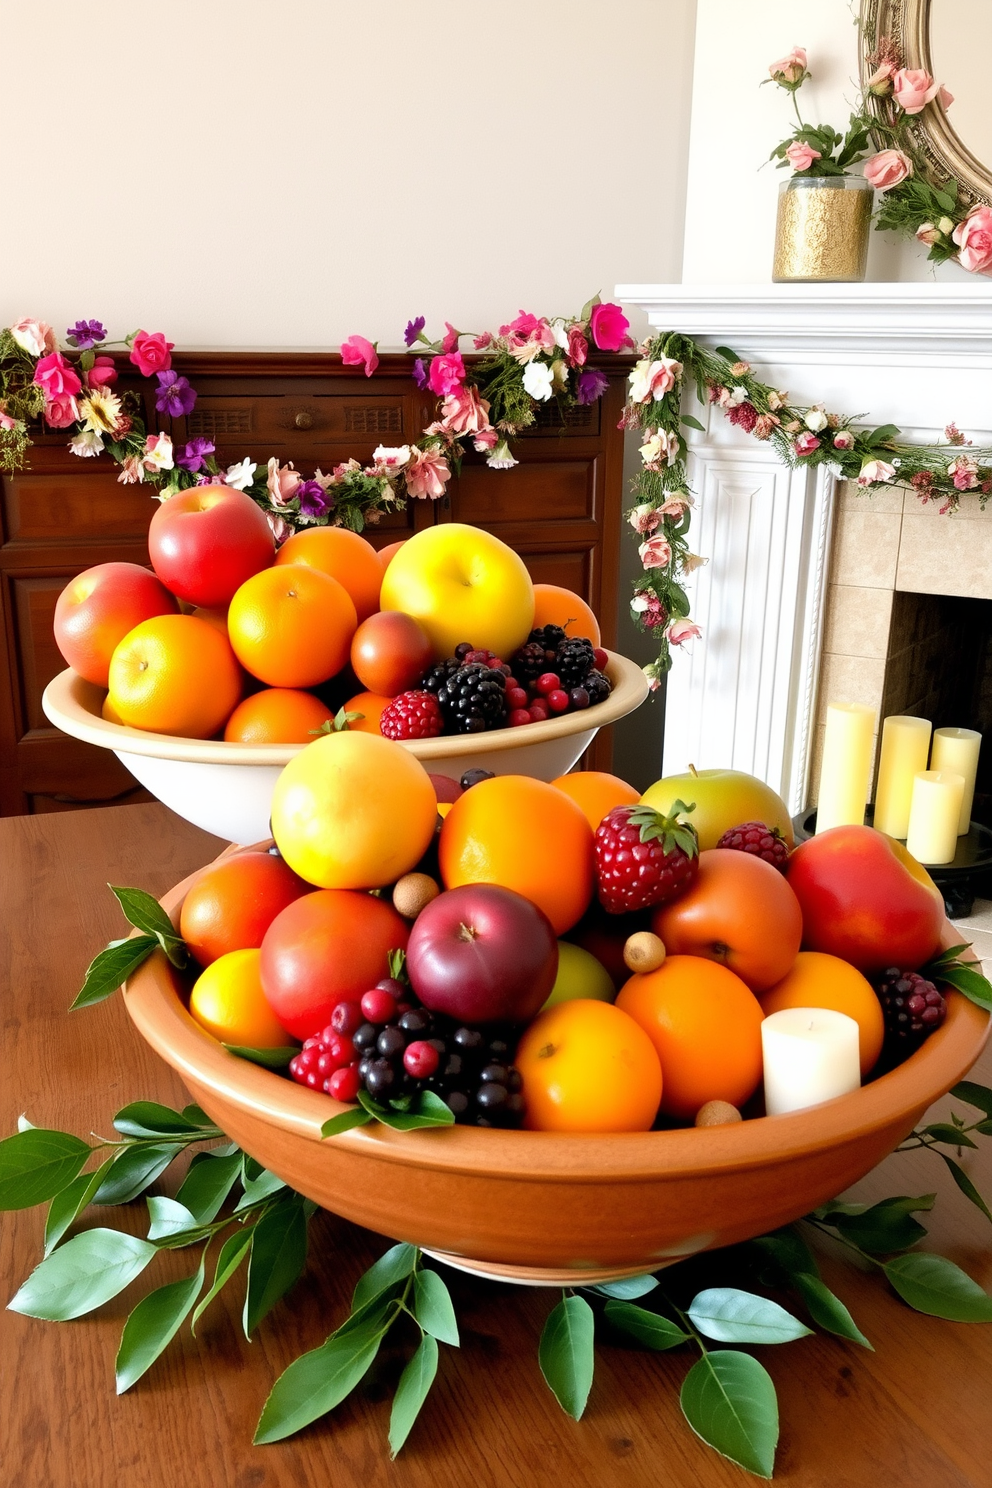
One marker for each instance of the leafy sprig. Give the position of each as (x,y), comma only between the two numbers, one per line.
(117,961)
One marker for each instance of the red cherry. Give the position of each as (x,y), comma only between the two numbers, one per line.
(547,682)
(420,1059)
(558,701)
(378,1005)
(344,1084)
(341,1050)
(519,716)
(516,697)
(346,1018)
(538,713)
(601,658)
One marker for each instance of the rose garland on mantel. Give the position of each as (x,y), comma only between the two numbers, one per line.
(527,363)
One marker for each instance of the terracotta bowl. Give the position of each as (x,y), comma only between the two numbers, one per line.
(227,788)
(542,1207)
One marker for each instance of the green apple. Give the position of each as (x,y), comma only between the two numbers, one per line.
(723,799)
(580,975)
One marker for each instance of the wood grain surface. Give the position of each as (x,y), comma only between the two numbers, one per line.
(915,1413)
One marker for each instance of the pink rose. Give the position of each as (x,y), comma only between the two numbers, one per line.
(61,411)
(974,239)
(54,375)
(880,82)
(427,474)
(964,473)
(464,412)
(655,553)
(875,471)
(608,326)
(151,353)
(806,444)
(103,373)
(681,631)
(280,529)
(281,482)
(801,156)
(843,439)
(485,440)
(34,336)
(790,69)
(674,506)
(578,346)
(357,352)
(524,326)
(887,169)
(644,518)
(929,232)
(913,89)
(447,373)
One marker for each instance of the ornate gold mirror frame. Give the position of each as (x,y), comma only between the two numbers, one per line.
(907,24)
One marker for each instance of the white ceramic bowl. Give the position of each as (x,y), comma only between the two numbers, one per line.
(227,788)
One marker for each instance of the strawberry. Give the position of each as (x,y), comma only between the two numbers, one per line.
(643,858)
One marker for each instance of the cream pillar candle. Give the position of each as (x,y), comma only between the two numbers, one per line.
(810,1055)
(956,749)
(846,765)
(933,816)
(905,746)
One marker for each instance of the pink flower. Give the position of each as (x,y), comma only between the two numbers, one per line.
(34,336)
(789,69)
(655,553)
(524,326)
(464,412)
(880,82)
(974,239)
(447,373)
(61,411)
(945,97)
(806,444)
(764,424)
(427,473)
(103,373)
(681,631)
(953,434)
(929,232)
(843,439)
(281,482)
(801,156)
(132,472)
(6,421)
(55,377)
(357,352)
(151,353)
(486,439)
(644,518)
(482,341)
(887,169)
(608,326)
(875,471)
(964,473)
(675,505)
(158,453)
(913,89)
(578,346)
(652,380)
(450,342)
(280,530)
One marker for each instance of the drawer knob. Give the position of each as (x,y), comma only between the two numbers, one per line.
(304,419)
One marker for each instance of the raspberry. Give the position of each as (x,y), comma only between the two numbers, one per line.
(912,1007)
(759,840)
(643,858)
(412,715)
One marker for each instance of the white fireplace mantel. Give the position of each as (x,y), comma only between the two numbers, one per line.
(918,355)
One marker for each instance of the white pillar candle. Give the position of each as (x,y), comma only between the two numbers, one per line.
(847,751)
(905,746)
(933,816)
(956,750)
(810,1055)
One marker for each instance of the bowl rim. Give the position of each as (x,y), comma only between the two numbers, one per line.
(73,705)
(153,1001)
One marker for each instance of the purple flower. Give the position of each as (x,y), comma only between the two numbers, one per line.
(175,396)
(86,333)
(590,385)
(413,330)
(194,456)
(314,500)
(420,373)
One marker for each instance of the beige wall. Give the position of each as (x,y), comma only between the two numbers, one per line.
(287,172)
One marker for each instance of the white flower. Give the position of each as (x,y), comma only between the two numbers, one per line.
(394,458)
(653,379)
(640,382)
(86,444)
(639,603)
(33,336)
(538,380)
(158,453)
(501,459)
(815,418)
(100,411)
(738,395)
(692,561)
(777,400)
(561,335)
(660,446)
(240,476)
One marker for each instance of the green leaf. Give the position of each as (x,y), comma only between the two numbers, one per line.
(169,1217)
(733,1316)
(789,1250)
(278,1256)
(82,1274)
(232,1253)
(153,1324)
(934,1285)
(729,1400)
(627,1288)
(208,1183)
(147,915)
(826,1309)
(346,1121)
(134,1169)
(70,1202)
(566,1354)
(433,1308)
(692,423)
(390,1268)
(945,1131)
(946,201)
(648,1328)
(108,970)
(886,1226)
(274,1059)
(969,982)
(430,1111)
(412,1391)
(882,435)
(973,1094)
(317,1381)
(149,1119)
(965,1184)
(261,1185)
(35,1164)
(728,354)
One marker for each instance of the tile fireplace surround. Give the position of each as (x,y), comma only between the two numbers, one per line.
(796,599)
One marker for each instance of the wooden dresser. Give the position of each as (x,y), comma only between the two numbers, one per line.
(560,508)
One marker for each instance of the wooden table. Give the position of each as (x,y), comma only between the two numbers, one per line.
(915,1412)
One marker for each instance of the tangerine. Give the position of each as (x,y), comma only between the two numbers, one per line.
(596,793)
(587,1067)
(234,902)
(388,553)
(277,715)
(291,625)
(524,835)
(227,1000)
(706,1027)
(554,605)
(216,618)
(344,556)
(818,980)
(174,675)
(370,706)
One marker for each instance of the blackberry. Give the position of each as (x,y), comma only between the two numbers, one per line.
(549,636)
(911,1006)
(529,662)
(434,680)
(597,687)
(576,659)
(473,699)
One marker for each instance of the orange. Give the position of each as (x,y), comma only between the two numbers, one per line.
(587,1067)
(277,715)
(227,1000)
(370,705)
(596,793)
(216,618)
(233,903)
(344,556)
(353,811)
(554,605)
(109,712)
(388,553)
(706,1027)
(174,675)
(821,981)
(291,625)
(524,835)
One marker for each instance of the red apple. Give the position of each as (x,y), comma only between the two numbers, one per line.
(205,542)
(482,954)
(390,652)
(865,899)
(98,607)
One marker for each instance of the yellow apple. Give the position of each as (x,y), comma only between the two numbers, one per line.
(723,799)
(462,584)
(579,975)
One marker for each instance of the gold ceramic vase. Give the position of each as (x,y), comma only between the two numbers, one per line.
(821,231)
